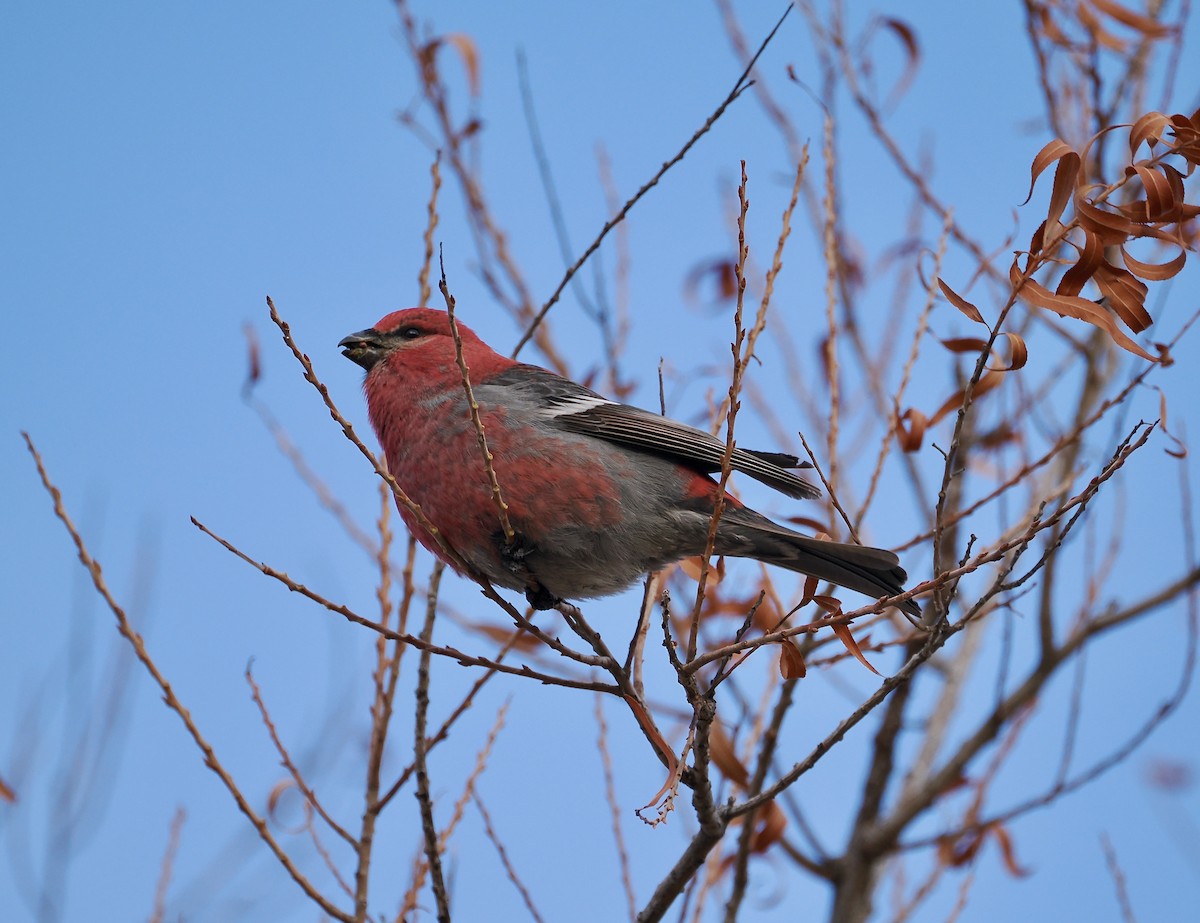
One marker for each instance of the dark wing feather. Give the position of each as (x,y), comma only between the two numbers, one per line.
(581,410)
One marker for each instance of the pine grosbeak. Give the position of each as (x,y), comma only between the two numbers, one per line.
(598,492)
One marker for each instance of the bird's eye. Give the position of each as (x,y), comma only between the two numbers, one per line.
(409,333)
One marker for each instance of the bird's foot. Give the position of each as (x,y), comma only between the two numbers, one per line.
(516,553)
(539,597)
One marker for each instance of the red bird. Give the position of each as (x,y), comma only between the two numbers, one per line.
(598,492)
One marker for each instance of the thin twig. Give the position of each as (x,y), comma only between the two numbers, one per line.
(737,90)
(172,701)
(433,856)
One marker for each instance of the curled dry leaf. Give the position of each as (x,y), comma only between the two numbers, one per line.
(273,799)
(912,55)
(1004,841)
(1154,272)
(1072,306)
(1018,354)
(791,661)
(961,849)
(1181,450)
(723,754)
(910,429)
(769,824)
(1068,160)
(468,51)
(718,276)
(1149,130)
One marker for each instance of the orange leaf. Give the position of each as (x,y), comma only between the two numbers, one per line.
(843,633)
(721,750)
(1181,451)
(1148,26)
(1125,295)
(961,303)
(1085,267)
(1147,129)
(912,54)
(1019,354)
(1155,272)
(1056,150)
(273,799)
(1101,35)
(1073,306)
(791,661)
(721,273)
(469,52)
(769,824)
(964,344)
(910,429)
(1006,850)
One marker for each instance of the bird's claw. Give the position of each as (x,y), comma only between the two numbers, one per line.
(539,597)
(516,552)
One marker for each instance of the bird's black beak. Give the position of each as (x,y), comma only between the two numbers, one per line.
(364,348)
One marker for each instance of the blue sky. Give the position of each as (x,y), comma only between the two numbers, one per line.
(167,166)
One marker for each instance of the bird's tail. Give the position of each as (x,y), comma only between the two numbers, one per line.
(870,571)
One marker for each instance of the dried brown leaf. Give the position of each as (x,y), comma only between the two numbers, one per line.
(1004,841)
(1085,267)
(501,635)
(273,799)
(721,274)
(1099,34)
(910,429)
(7,793)
(844,635)
(1018,354)
(468,51)
(692,567)
(1155,272)
(1181,450)
(1111,226)
(791,661)
(769,822)
(964,344)
(961,303)
(1148,129)
(1126,295)
(1148,26)
(723,754)
(1160,196)
(1056,151)
(912,55)
(1073,306)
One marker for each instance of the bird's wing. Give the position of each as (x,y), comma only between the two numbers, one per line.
(581,410)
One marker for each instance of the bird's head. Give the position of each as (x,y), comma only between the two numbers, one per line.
(419,336)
